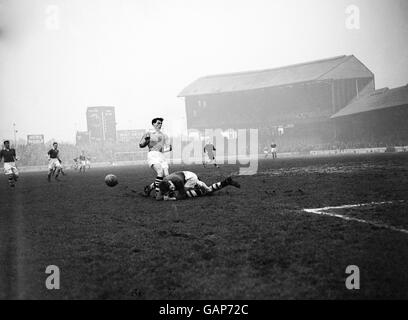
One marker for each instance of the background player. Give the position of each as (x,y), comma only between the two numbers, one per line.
(186,184)
(75,166)
(54,162)
(9,156)
(209,150)
(157,142)
(266,151)
(273,150)
(88,162)
(82,162)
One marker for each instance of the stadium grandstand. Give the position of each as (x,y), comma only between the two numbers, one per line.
(292,106)
(378,118)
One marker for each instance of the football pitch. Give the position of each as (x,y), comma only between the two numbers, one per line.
(290,232)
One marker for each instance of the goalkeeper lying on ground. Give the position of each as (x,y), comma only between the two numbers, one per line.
(185,184)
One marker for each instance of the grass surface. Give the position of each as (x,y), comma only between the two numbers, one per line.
(250,243)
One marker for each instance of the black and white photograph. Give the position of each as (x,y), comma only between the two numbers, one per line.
(203,150)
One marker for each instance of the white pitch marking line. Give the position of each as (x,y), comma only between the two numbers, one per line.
(320,211)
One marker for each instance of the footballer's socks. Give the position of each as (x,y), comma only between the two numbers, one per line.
(218,185)
(194,193)
(157,182)
(11,181)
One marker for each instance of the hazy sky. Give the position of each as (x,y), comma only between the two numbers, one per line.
(59,56)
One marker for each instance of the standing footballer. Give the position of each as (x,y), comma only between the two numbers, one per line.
(209,151)
(158,144)
(273,150)
(9,156)
(82,162)
(54,162)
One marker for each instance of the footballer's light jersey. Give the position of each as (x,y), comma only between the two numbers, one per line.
(182,178)
(209,148)
(158,140)
(9,155)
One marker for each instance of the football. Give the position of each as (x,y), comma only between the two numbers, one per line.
(111,180)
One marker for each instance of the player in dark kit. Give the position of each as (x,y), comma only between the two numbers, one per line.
(186,184)
(54,162)
(61,169)
(9,156)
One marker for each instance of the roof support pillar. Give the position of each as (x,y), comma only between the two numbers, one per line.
(333,109)
(333,98)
